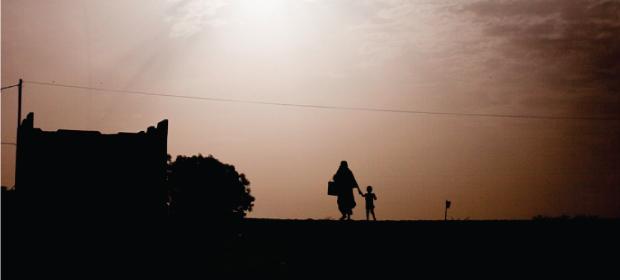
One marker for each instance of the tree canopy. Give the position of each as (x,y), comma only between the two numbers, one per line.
(204,187)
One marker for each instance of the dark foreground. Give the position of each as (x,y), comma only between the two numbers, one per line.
(310,248)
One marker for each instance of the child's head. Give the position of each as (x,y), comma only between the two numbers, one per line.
(369,189)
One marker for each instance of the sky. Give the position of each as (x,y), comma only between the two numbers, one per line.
(541,57)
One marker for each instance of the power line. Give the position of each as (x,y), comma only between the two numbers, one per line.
(8,87)
(328,107)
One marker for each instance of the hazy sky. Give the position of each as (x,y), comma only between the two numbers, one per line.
(550,57)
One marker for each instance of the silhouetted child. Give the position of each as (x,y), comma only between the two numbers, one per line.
(370,202)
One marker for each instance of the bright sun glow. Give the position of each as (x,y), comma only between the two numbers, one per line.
(266,26)
(262,10)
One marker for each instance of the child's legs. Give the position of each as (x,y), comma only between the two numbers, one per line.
(372,210)
(367,210)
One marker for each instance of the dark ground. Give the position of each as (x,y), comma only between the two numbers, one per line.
(314,248)
(408,247)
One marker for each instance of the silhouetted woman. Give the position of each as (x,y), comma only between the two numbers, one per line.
(345,182)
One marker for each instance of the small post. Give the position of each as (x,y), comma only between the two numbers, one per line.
(448,203)
(19,103)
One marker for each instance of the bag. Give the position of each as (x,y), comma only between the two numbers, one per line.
(332,189)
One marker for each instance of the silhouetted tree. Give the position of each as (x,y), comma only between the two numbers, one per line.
(203,187)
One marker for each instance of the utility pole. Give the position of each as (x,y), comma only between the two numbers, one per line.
(20,86)
(19,104)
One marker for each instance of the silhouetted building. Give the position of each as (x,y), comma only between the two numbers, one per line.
(89,176)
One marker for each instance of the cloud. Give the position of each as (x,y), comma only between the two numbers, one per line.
(394,29)
(574,44)
(568,53)
(191,16)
